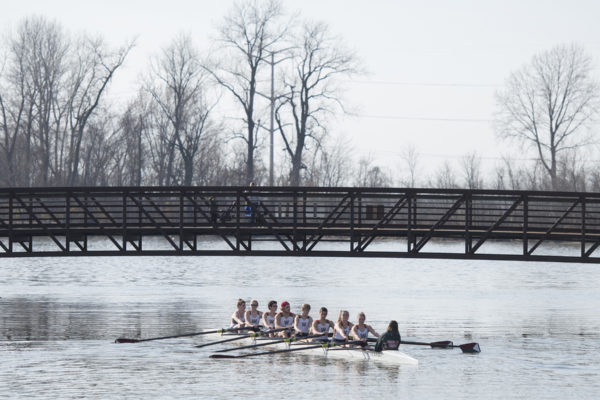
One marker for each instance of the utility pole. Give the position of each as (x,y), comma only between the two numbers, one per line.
(272,99)
(272,127)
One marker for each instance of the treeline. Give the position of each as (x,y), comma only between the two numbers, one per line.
(199,120)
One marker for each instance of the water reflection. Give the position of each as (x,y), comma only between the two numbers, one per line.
(41,319)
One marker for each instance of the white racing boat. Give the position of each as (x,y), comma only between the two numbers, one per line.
(390,357)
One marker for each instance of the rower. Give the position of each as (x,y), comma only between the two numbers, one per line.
(268,318)
(390,340)
(342,328)
(238,319)
(303,322)
(285,320)
(360,331)
(322,325)
(253,316)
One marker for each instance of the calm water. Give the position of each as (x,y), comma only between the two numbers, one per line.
(538,326)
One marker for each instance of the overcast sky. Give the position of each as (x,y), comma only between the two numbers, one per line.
(433,66)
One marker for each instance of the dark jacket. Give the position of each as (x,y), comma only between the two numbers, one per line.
(388,341)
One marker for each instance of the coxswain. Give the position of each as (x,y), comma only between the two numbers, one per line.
(303,321)
(253,316)
(285,320)
(390,340)
(360,330)
(342,328)
(268,318)
(322,326)
(238,318)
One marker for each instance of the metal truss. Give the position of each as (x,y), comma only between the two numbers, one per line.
(298,221)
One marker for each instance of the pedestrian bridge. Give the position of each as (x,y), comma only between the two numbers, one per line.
(299,221)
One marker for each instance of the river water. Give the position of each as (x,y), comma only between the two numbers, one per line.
(538,325)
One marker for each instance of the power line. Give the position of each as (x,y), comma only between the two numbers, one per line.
(434,119)
(432,84)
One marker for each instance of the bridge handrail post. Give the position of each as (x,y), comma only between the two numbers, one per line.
(352,195)
(181,194)
(237,219)
(409,197)
(295,214)
(68,219)
(468,221)
(10,220)
(583,224)
(124,219)
(525,200)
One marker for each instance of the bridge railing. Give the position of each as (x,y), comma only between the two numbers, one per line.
(297,218)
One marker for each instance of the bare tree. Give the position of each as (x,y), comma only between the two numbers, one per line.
(42,49)
(330,166)
(178,85)
(54,85)
(249,33)
(14,109)
(129,156)
(312,94)
(93,68)
(573,170)
(445,177)
(370,175)
(549,104)
(410,157)
(471,170)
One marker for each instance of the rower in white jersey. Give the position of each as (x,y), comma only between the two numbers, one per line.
(321,326)
(268,318)
(341,330)
(238,318)
(253,316)
(285,319)
(360,330)
(303,322)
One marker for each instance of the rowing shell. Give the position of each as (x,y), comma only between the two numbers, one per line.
(390,357)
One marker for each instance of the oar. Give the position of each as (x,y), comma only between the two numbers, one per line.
(251,335)
(324,346)
(126,340)
(446,344)
(286,340)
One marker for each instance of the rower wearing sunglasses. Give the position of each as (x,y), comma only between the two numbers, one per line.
(253,316)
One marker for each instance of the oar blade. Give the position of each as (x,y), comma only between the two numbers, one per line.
(470,348)
(445,344)
(126,340)
(222,356)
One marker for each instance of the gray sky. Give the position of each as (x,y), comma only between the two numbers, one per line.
(433,66)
